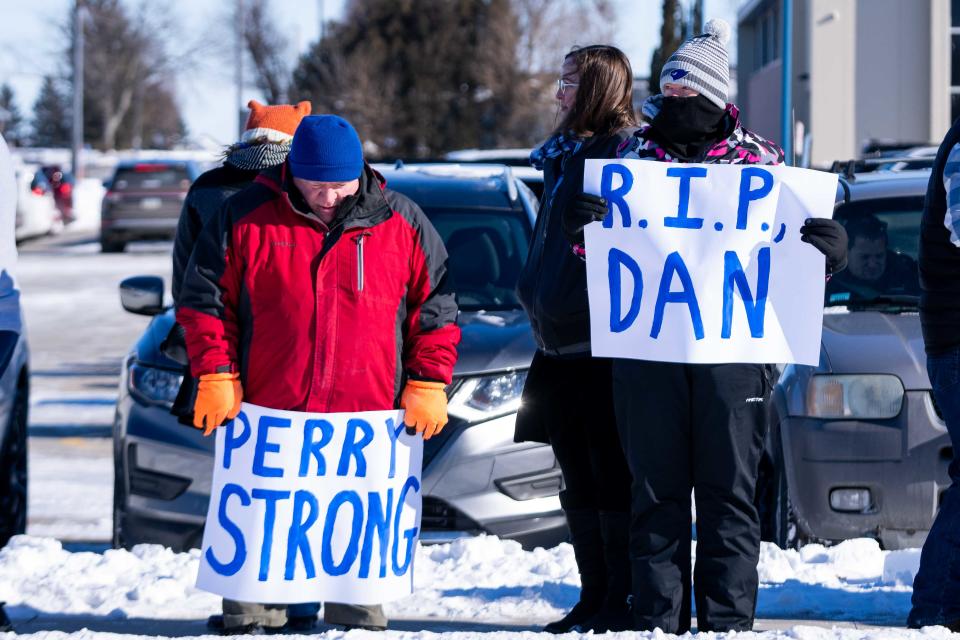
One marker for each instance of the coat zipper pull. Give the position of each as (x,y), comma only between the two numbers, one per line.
(359,241)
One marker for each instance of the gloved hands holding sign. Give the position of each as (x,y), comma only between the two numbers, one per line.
(218,399)
(425,403)
(584,209)
(830,238)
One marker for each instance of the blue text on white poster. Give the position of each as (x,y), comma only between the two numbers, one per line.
(703,263)
(311,507)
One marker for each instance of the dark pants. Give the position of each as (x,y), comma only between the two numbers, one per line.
(936,589)
(693,428)
(239,614)
(573,398)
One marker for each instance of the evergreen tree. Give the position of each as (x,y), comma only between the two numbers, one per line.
(11,121)
(417,77)
(671,37)
(51,116)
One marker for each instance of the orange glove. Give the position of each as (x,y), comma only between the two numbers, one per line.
(218,398)
(426,406)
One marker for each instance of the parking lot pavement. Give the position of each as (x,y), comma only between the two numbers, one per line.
(78,335)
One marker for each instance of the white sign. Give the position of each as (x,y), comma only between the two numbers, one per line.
(703,263)
(310,507)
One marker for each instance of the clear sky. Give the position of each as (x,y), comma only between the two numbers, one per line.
(31,45)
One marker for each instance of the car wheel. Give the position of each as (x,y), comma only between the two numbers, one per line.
(112,246)
(13,471)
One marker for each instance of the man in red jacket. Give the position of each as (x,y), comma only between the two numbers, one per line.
(318,290)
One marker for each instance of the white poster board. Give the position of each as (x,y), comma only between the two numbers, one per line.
(703,263)
(309,507)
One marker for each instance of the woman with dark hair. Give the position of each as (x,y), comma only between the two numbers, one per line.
(567,398)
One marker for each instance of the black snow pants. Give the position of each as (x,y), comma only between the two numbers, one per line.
(572,398)
(693,428)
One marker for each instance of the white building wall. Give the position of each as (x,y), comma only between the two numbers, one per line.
(831,28)
(893,71)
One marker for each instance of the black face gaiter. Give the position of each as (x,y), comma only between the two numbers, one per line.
(685,126)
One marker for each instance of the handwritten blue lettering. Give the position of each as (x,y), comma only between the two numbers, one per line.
(350,555)
(312,447)
(682,219)
(297,541)
(617,259)
(352,448)
(240,546)
(378,522)
(233,441)
(733,275)
(674,265)
(264,446)
(270,497)
(748,195)
(616,196)
(399,569)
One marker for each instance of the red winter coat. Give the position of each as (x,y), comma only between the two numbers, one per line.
(314,318)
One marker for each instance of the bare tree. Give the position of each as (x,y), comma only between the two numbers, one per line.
(549,29)
(124,51)
(267,49)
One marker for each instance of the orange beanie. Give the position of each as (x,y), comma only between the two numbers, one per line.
(276,123)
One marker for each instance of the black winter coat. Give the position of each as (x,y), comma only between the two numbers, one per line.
(553,283)
(203,201)
(939,261)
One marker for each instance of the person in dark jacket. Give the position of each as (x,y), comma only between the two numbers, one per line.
(320,225)
(264,143)
(695,427)
(936,588)
(567,397)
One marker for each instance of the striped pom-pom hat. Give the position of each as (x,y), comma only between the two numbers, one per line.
(274,123)
(701,63)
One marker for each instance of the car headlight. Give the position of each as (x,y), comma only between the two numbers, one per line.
(854,396)
(485,397)
(152,385)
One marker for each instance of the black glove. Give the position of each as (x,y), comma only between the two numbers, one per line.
(584,209)
(830,238)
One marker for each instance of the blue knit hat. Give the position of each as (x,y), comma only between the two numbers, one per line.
(326,149)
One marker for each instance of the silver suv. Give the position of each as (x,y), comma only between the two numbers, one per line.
(857,445)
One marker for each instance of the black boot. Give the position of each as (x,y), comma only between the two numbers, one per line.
(614,614)
(587,544)
(5,624)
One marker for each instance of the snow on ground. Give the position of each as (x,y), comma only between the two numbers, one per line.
(87,197)
(485,580)
(70,488)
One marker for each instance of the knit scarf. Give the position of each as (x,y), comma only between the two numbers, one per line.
(254,157)
(564,143)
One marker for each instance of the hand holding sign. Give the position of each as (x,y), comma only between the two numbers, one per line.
(704,263)
(584,209)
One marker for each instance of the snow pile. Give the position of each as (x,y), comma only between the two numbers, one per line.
(475,579)
(854,580)
(37,573)
(494,576)
(87,197)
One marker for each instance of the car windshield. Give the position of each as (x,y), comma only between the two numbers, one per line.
(151,177)
(881,273)
(487,249)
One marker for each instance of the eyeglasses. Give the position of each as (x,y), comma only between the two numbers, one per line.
(563,84)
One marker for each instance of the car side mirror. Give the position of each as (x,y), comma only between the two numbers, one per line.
(142,295)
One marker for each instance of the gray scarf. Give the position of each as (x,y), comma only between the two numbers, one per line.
(258,156)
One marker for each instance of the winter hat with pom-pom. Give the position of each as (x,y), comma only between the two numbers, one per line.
(701,63)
